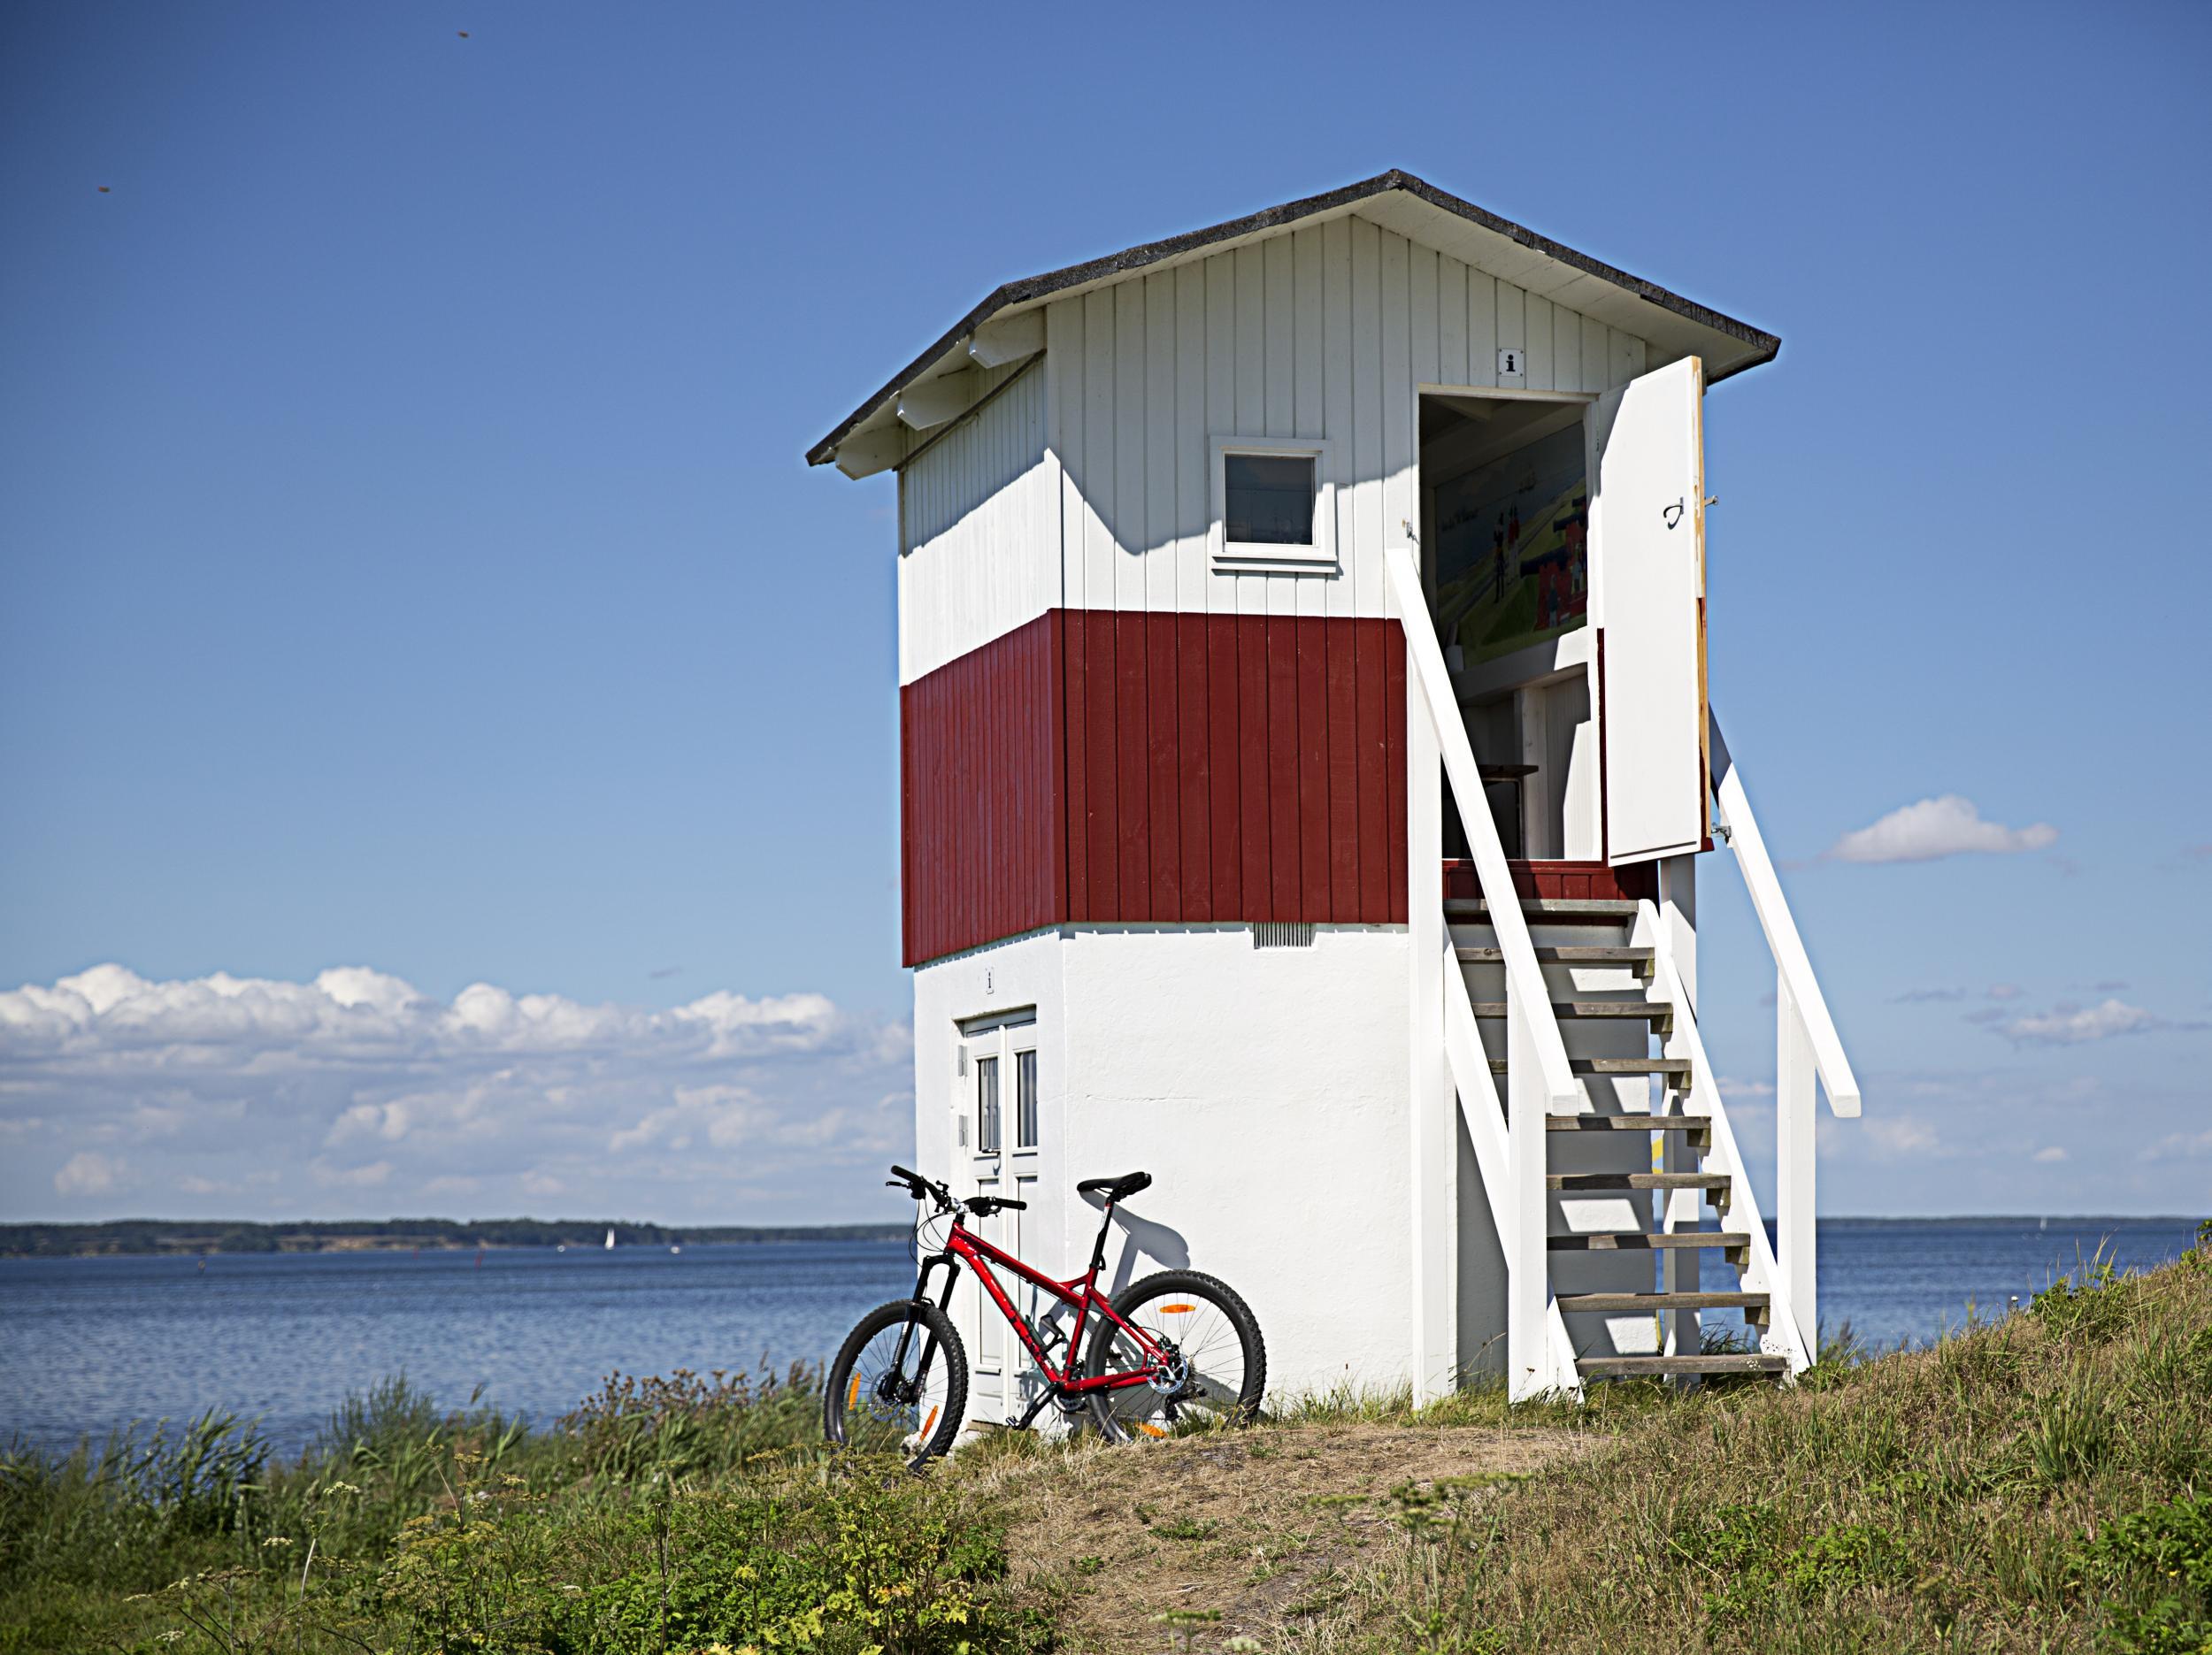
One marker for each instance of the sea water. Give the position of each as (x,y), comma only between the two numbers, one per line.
(90,1345)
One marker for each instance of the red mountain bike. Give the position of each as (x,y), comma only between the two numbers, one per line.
(1178,1348)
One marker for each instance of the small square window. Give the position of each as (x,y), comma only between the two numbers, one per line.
(1270,498)
(1274,506)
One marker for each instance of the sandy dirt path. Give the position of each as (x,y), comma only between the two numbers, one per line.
(1260,1536)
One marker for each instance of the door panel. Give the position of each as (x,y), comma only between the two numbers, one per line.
(1647,587)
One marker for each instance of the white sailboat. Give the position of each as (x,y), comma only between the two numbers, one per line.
(610,1239)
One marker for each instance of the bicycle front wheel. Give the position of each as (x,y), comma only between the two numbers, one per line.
(1213,1369)
(899,1384)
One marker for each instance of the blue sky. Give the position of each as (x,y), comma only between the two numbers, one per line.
(409,565)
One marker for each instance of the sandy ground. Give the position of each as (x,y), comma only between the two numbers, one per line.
(1259,1536)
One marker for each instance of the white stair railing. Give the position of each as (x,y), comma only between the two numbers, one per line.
(1786,1334)
(1539,1079)
(1807,1048)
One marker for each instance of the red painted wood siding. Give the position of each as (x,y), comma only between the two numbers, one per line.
(1173,768)
(982,817)
(1581,880)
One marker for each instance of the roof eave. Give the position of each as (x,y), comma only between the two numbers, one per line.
(1762,346)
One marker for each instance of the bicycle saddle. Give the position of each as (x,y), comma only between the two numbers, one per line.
(1116,1188)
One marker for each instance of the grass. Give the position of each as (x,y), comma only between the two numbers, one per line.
(676,1514)
(2042,1482)
(2039,1483)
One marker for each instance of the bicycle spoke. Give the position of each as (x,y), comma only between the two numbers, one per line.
(891,1402)
(1207,1350)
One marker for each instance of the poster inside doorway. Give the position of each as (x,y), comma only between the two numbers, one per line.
(1513,538)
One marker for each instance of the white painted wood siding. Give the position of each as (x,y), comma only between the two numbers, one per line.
(978,529)
(1325,332)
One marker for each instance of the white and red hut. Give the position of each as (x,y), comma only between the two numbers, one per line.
(1305,768)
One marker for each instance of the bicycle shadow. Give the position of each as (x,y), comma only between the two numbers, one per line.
(1143,1237)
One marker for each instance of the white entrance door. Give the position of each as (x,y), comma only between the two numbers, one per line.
(1648,600)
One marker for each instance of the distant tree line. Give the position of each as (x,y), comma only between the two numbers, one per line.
(157,1235)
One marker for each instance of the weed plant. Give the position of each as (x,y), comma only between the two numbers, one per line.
(2039,1483)
(673,1514)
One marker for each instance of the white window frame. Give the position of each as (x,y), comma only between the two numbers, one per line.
(1000,1037)
(1246,557)
(1019,1045)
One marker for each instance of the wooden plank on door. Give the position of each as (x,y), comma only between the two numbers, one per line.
(1647,587)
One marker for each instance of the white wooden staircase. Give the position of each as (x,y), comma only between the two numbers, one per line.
(1566,1044)
(1629,1173)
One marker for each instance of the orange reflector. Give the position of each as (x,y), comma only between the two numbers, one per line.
(930,1424)
(1151,1430)
(1177,1310)
(852,1396)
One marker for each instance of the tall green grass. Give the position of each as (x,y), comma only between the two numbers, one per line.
(672,1514)
(2043,1482)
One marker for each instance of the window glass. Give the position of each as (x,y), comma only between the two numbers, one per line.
(987,1106)
(1025,1100)
(1270,499)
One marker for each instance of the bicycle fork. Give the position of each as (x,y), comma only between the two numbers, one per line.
(906,1332)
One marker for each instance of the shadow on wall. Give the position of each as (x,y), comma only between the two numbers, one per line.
(1142,1237)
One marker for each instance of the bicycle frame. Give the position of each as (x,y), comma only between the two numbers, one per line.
(1081,1292)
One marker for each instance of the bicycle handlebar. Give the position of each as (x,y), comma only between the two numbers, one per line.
(918,1187)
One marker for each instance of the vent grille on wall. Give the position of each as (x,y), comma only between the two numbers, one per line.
(1280,934)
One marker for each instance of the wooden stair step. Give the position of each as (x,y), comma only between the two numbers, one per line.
(1638,1240)
(1634,1367)
(1587,1066)
(1637,1181)
(1604,910)
(1641,1010)
(1627,1122)
(1662,1301)
(1571,954)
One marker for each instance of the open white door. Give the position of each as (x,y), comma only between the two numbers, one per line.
(1648,600)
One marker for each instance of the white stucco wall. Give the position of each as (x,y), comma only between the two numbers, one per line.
(1263,1089)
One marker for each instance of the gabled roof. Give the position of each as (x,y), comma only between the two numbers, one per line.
(1413,208)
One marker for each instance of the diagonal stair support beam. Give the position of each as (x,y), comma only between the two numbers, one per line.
(1539,1081)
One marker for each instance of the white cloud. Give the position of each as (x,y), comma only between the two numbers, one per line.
(1901,1135)
(2050,1154)
(86,1173)
(1933,828)
(357,1090)
(2074,1026)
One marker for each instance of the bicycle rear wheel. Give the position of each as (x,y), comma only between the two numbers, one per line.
(1216,1371)
(899,1384)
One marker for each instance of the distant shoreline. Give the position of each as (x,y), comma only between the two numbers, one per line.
(156,1237)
